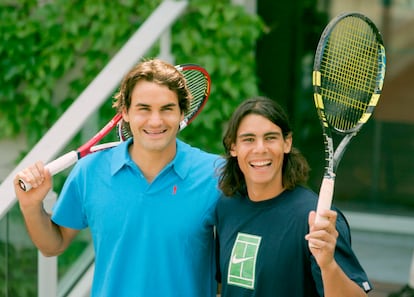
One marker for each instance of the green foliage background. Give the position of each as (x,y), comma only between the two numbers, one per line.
(50,52)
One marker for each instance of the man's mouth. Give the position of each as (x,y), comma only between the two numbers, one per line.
(155,132)
(263,163)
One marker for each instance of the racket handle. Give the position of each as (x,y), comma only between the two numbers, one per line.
(325,197)
(55,167)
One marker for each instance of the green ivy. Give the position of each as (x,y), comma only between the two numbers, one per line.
(52,52)
(221,37)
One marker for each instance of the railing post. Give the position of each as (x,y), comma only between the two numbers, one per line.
(165,47)
(47,273)
(47,276)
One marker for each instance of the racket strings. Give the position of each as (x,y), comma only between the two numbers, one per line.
(349,70)
(198,85)
(124,132)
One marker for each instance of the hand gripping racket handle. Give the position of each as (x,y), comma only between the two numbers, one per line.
(325,196)
(55,167)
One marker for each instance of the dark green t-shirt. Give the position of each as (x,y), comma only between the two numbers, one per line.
(263,251)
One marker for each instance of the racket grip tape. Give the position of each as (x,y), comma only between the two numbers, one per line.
(325,196)
(55,167)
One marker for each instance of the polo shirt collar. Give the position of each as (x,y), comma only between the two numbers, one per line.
(180,163)
(120,156)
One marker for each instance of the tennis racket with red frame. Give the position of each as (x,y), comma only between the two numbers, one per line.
(198,81)
(348,76)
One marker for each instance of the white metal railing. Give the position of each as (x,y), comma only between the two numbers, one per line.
(156,27)
(77,281)
(391,224)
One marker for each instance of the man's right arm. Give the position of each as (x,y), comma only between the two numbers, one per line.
(48,237)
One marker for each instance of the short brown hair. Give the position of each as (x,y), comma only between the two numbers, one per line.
(157,71)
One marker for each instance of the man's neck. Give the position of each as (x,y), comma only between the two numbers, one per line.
(152,162)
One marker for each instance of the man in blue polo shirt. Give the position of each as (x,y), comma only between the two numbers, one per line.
(149,202)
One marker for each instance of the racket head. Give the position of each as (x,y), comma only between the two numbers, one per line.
(348,72)
(198,81)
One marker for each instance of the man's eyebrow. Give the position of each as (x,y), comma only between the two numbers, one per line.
(248,134)
(149,105)
(170,105)
(273,133)
(142,104)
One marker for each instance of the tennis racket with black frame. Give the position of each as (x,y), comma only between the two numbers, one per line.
(348,76)
(198,81)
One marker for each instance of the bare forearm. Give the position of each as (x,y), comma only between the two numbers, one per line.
(46,235)
(337,284)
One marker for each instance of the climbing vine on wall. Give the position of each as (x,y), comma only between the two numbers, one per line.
(52,51)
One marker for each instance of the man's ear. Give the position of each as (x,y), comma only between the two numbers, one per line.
(125,116)
(288,143)
(233,152)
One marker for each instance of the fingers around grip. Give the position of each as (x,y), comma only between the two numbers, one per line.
(31,177)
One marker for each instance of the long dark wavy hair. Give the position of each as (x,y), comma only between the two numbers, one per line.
(295,167)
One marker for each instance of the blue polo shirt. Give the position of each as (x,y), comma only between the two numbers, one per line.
(150,239)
